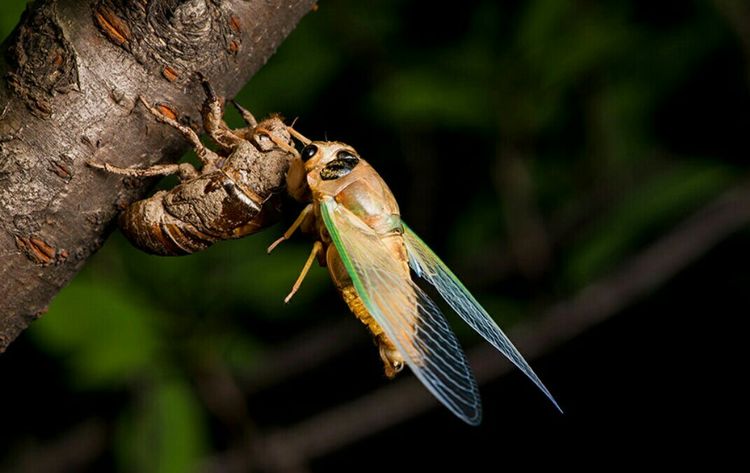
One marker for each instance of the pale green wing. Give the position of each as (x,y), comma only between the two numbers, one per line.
(430,268)
(404,312)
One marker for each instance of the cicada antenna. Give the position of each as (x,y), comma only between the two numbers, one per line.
(299,136)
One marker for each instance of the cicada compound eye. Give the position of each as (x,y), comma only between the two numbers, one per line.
(341,166)
(308,152)
(347,157)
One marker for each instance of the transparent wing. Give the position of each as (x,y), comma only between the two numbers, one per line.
(404,312)
(430,268)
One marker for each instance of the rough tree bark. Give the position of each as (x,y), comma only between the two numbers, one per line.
(71,75)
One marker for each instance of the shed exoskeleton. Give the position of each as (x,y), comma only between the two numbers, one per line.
(229,197)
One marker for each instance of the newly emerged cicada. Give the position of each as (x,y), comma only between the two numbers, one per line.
(370,254)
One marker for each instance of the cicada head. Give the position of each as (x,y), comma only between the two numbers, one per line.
(320,163)
(323,166)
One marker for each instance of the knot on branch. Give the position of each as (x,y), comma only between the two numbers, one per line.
(42,61)
(171,36)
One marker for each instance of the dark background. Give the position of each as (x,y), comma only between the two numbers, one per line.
(541,148)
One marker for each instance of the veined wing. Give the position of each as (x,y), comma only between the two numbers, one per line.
(428,266)
(405,313)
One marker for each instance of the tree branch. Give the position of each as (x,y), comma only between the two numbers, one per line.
(71,77)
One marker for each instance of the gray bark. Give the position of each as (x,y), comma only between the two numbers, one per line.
(71,75)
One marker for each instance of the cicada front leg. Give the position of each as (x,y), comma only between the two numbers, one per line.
(248,117)
(213,120)
(256,132)
(207,157)
(216,129)
(185,171)
(303,219)
(316,250)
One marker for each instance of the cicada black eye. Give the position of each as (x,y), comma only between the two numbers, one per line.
(308,152)
(341,166)
(347,157)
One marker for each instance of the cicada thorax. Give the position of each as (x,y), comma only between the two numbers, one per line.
(227,203)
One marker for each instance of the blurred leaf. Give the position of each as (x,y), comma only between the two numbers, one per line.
(167,434)
(240,353)
(103,332)
(564,43)
(260,282)
(444,97)
(506,311)
(231,277)
(10,15)
(293,77)
(646,208)
(478,225)
(542,21)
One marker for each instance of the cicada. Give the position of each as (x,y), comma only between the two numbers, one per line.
(371,255)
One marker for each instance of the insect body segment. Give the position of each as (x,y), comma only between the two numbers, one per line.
(370,256)
(236,192)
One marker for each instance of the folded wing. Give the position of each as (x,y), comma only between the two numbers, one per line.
(430,268)
(405,313)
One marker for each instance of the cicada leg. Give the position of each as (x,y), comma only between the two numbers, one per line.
(304,215)
(316,249)
(185,171)
(207,157)
(213,114)
(252,124)
(246,115)
(260,131)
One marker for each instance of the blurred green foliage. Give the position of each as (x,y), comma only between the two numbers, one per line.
(165,431)
(483,118)
(649,207)
(108,341)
